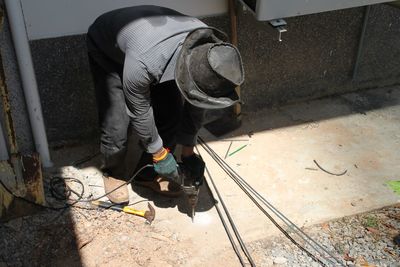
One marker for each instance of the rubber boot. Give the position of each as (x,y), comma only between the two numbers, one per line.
(162,186)
(118,196)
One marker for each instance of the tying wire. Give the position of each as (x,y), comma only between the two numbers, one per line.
(236,179)
(233,226)
(328,172)
(272,220)
(290,224)
(246,188)
(56,181)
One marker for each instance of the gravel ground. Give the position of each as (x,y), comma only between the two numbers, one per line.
(91,237)
(360,240)
(87,236)
(78,237)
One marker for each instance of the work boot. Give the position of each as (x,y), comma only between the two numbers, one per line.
(162,186)
(120,195)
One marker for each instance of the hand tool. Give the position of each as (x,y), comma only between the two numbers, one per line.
(191,187)
(147,214)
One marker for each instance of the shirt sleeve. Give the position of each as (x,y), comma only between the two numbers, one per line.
(136,86)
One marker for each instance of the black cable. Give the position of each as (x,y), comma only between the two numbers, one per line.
(56,180)
(27,200)
(233,226)
(118,187)
(242,183)
(78,162)
(137,202)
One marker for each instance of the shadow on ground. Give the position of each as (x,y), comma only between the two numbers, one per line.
(49,238)
(205,200)
(315,110)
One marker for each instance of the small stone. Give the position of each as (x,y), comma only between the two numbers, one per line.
(396,240)
(280,260)
(175,237)
(15,224)
(268,262)
(124,238)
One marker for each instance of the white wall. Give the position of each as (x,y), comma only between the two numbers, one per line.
(53,18)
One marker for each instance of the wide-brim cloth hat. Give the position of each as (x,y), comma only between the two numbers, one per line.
(208,69)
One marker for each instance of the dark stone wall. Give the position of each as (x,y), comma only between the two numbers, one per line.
(380,61)
(315,59)
(317,55)
(66,89)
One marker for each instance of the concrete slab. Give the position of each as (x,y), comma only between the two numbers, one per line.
(358,132)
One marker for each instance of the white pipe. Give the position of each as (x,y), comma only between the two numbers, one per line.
(3,146)
(29,84)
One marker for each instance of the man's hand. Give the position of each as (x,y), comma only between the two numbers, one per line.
(165,165)
(195,165)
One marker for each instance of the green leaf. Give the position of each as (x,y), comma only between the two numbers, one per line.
(395,186)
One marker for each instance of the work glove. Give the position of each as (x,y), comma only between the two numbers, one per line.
(167,167)
(195,166)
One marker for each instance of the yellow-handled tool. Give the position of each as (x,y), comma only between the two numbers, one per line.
(147,214)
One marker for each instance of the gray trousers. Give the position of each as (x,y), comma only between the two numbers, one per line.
(114,122)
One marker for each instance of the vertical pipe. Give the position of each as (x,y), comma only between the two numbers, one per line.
(29,84)
(361,43)
(234,41)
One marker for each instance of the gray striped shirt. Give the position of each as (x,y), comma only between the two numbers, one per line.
(146,40)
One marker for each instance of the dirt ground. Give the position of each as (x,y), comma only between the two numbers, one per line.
(81,237)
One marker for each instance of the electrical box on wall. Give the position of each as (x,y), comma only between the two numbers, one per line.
(275,9)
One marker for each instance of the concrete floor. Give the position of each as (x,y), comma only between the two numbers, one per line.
(357,132)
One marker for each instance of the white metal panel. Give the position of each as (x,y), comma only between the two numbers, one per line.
(53,18)
(275,9)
